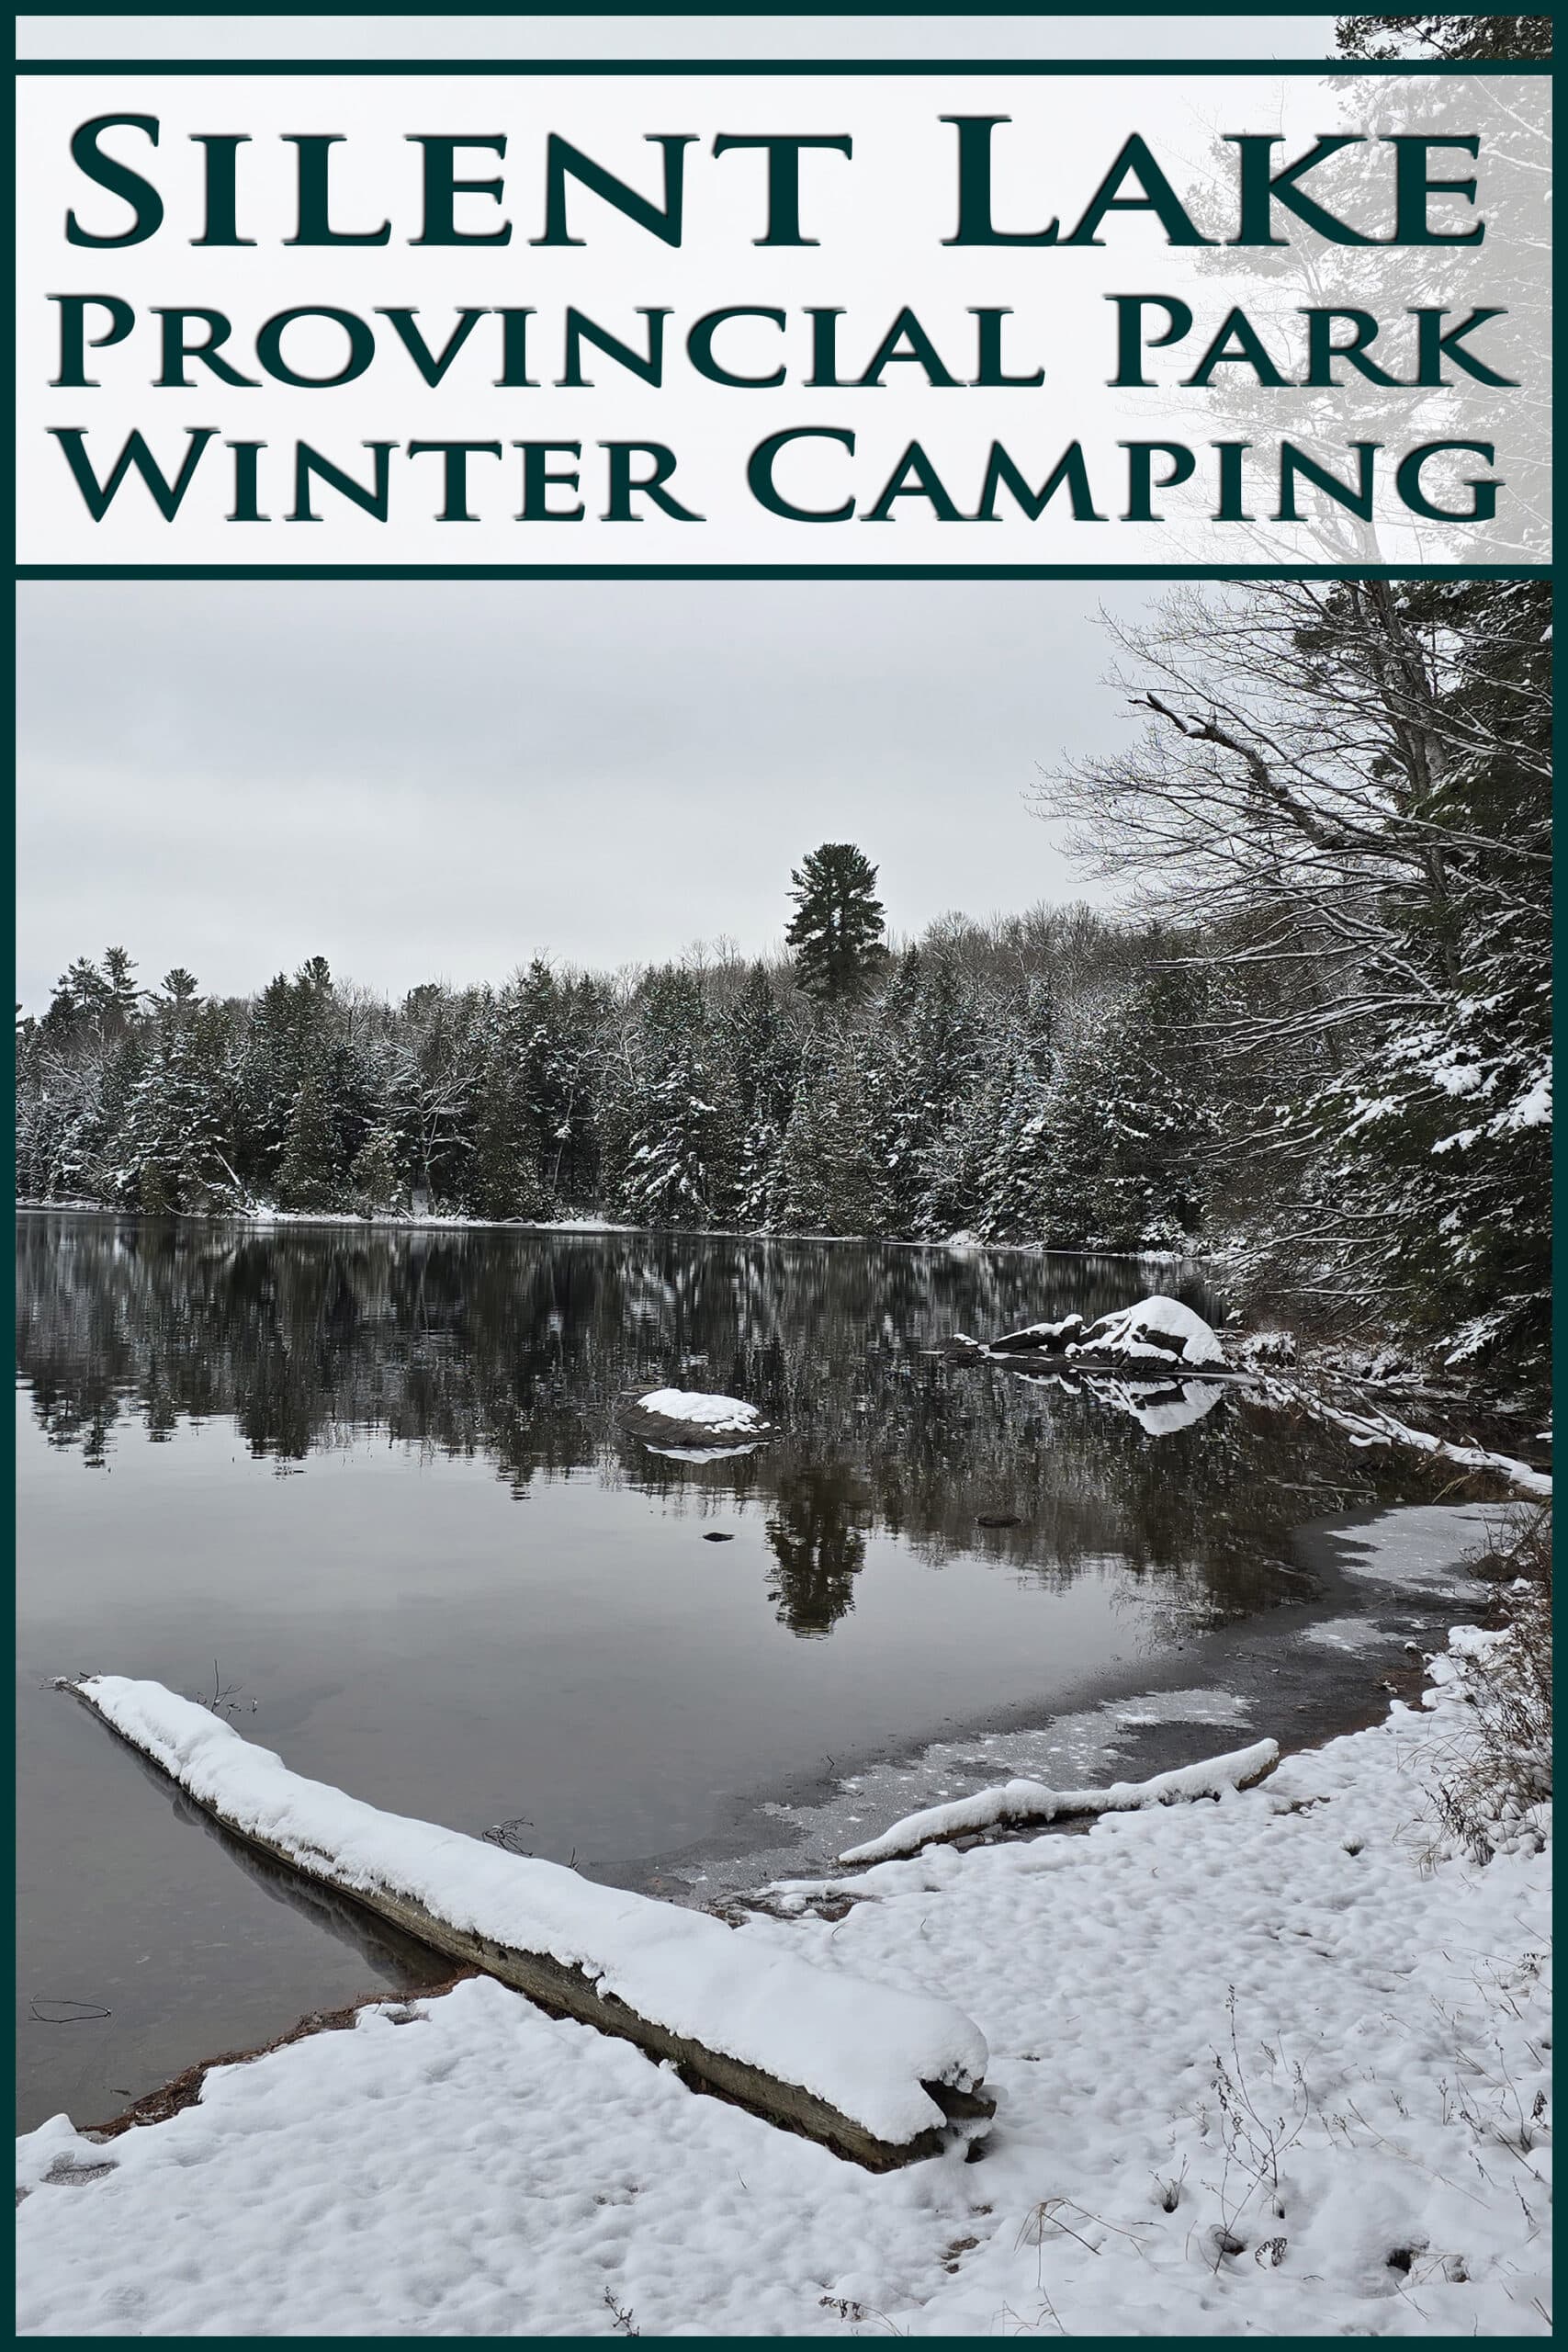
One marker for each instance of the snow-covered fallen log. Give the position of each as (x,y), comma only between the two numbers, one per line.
(877,2075)
(1019,1801)
(1370,1427)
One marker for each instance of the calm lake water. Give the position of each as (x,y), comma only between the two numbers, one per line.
(370,1489)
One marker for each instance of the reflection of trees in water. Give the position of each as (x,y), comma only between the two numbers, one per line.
(816,1532)
(514,1347)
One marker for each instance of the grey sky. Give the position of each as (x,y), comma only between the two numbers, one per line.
(439,779)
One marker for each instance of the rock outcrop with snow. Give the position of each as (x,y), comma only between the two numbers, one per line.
(1156,1332)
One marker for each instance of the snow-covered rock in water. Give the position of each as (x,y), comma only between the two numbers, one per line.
(1155,1330)
(1040,1339)
(723,1415)
(688,1417)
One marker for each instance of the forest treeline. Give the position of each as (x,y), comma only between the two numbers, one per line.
(966,1089)
(1319,1026)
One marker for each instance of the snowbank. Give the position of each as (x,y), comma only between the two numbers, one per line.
(867,2055)
(1031,1801)
(466,2165)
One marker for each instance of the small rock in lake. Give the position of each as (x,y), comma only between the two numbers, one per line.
(717,1535)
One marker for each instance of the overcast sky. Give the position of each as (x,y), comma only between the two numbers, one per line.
(426,780)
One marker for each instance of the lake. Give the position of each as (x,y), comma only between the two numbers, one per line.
(367,1492)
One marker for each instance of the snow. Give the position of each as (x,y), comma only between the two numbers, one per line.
(1372,1427)
(1043,1337)
(1134,1334)
(868,2057)
(722,1414)
(1420,1548)
(1533,1108)
(1359,1636)
(1028,1801)
(466,2165)
(264,1212)
(1269,1346)
(1081,1746)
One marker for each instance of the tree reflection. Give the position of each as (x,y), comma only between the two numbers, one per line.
(816,1532)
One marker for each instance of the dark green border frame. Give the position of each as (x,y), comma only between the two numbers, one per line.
(703,8)
(906,67)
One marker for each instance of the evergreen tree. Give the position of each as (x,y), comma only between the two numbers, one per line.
(180,987)
(764,1064)
(376,1177)
(554,1105)
(308,1171)
(835,930)
(828,1175)
(1132,1127)
(1015,1169)
(944,1059)
(124,997)
(172,1132)
(682,1139)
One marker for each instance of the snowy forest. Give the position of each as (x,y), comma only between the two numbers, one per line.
(1312,1031)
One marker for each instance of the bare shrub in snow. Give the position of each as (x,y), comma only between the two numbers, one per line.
(1496,1772)
(1255,2139)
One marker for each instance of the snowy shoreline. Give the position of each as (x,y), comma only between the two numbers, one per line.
(1311,1666)
(1303,2091)
(381,1221)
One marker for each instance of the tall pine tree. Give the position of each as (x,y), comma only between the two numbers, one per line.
(837,928)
